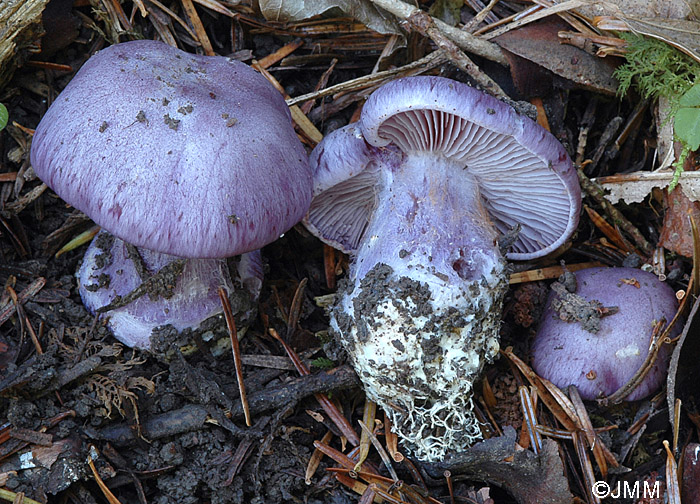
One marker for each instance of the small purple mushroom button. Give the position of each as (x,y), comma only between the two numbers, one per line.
(423,192)
(597,337)
(188,156)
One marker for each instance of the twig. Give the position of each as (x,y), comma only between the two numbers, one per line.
(586,467)
(530,419)
(198,27)
(340,421)
(471,25)
(548,272)
(29,292)
(380,449)
(601,453)
(297,115)
(280,53)
(464,40)
(450,487)
(596,192)
(657,341)
(20,204)
(192,417)
(92,455)
(426,25)
(540,14)
(432,60)
(233,333)
(12,497)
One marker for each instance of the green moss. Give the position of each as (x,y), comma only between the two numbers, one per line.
(4,116)
(656,69)
(323,363)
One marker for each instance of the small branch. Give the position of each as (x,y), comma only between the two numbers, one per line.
(192,417)
(432,60)
(235,349)
(464,40)
(597,193)
(427,27)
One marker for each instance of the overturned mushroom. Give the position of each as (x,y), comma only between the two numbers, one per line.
(418,192)
(190,156)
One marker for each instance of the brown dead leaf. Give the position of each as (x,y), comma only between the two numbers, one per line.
(635,187)
(680,33)
(665,20)
(676,234)
(539,43)
(361,10)
(46,456)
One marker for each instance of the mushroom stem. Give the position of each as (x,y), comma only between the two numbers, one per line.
(420,312)
(431,217)
(139,290)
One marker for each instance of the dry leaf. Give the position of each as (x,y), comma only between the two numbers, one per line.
(362,10)
(539,42)
(635,187)
(660,19)
(676,234)
(46,456)
(674,9)
(680,33)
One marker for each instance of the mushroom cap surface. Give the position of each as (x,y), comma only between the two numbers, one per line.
(188,155)
(600,363)
(524,174)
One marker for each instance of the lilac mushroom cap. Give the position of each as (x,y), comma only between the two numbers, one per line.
(188,155)
(418,192)
(599,363)
(178,154)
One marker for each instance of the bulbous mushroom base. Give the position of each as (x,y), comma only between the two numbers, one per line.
(418,346)
(146,289)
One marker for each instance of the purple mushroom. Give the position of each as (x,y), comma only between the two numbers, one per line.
(419,192)
(577,343)
(183,298)
(178,154)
